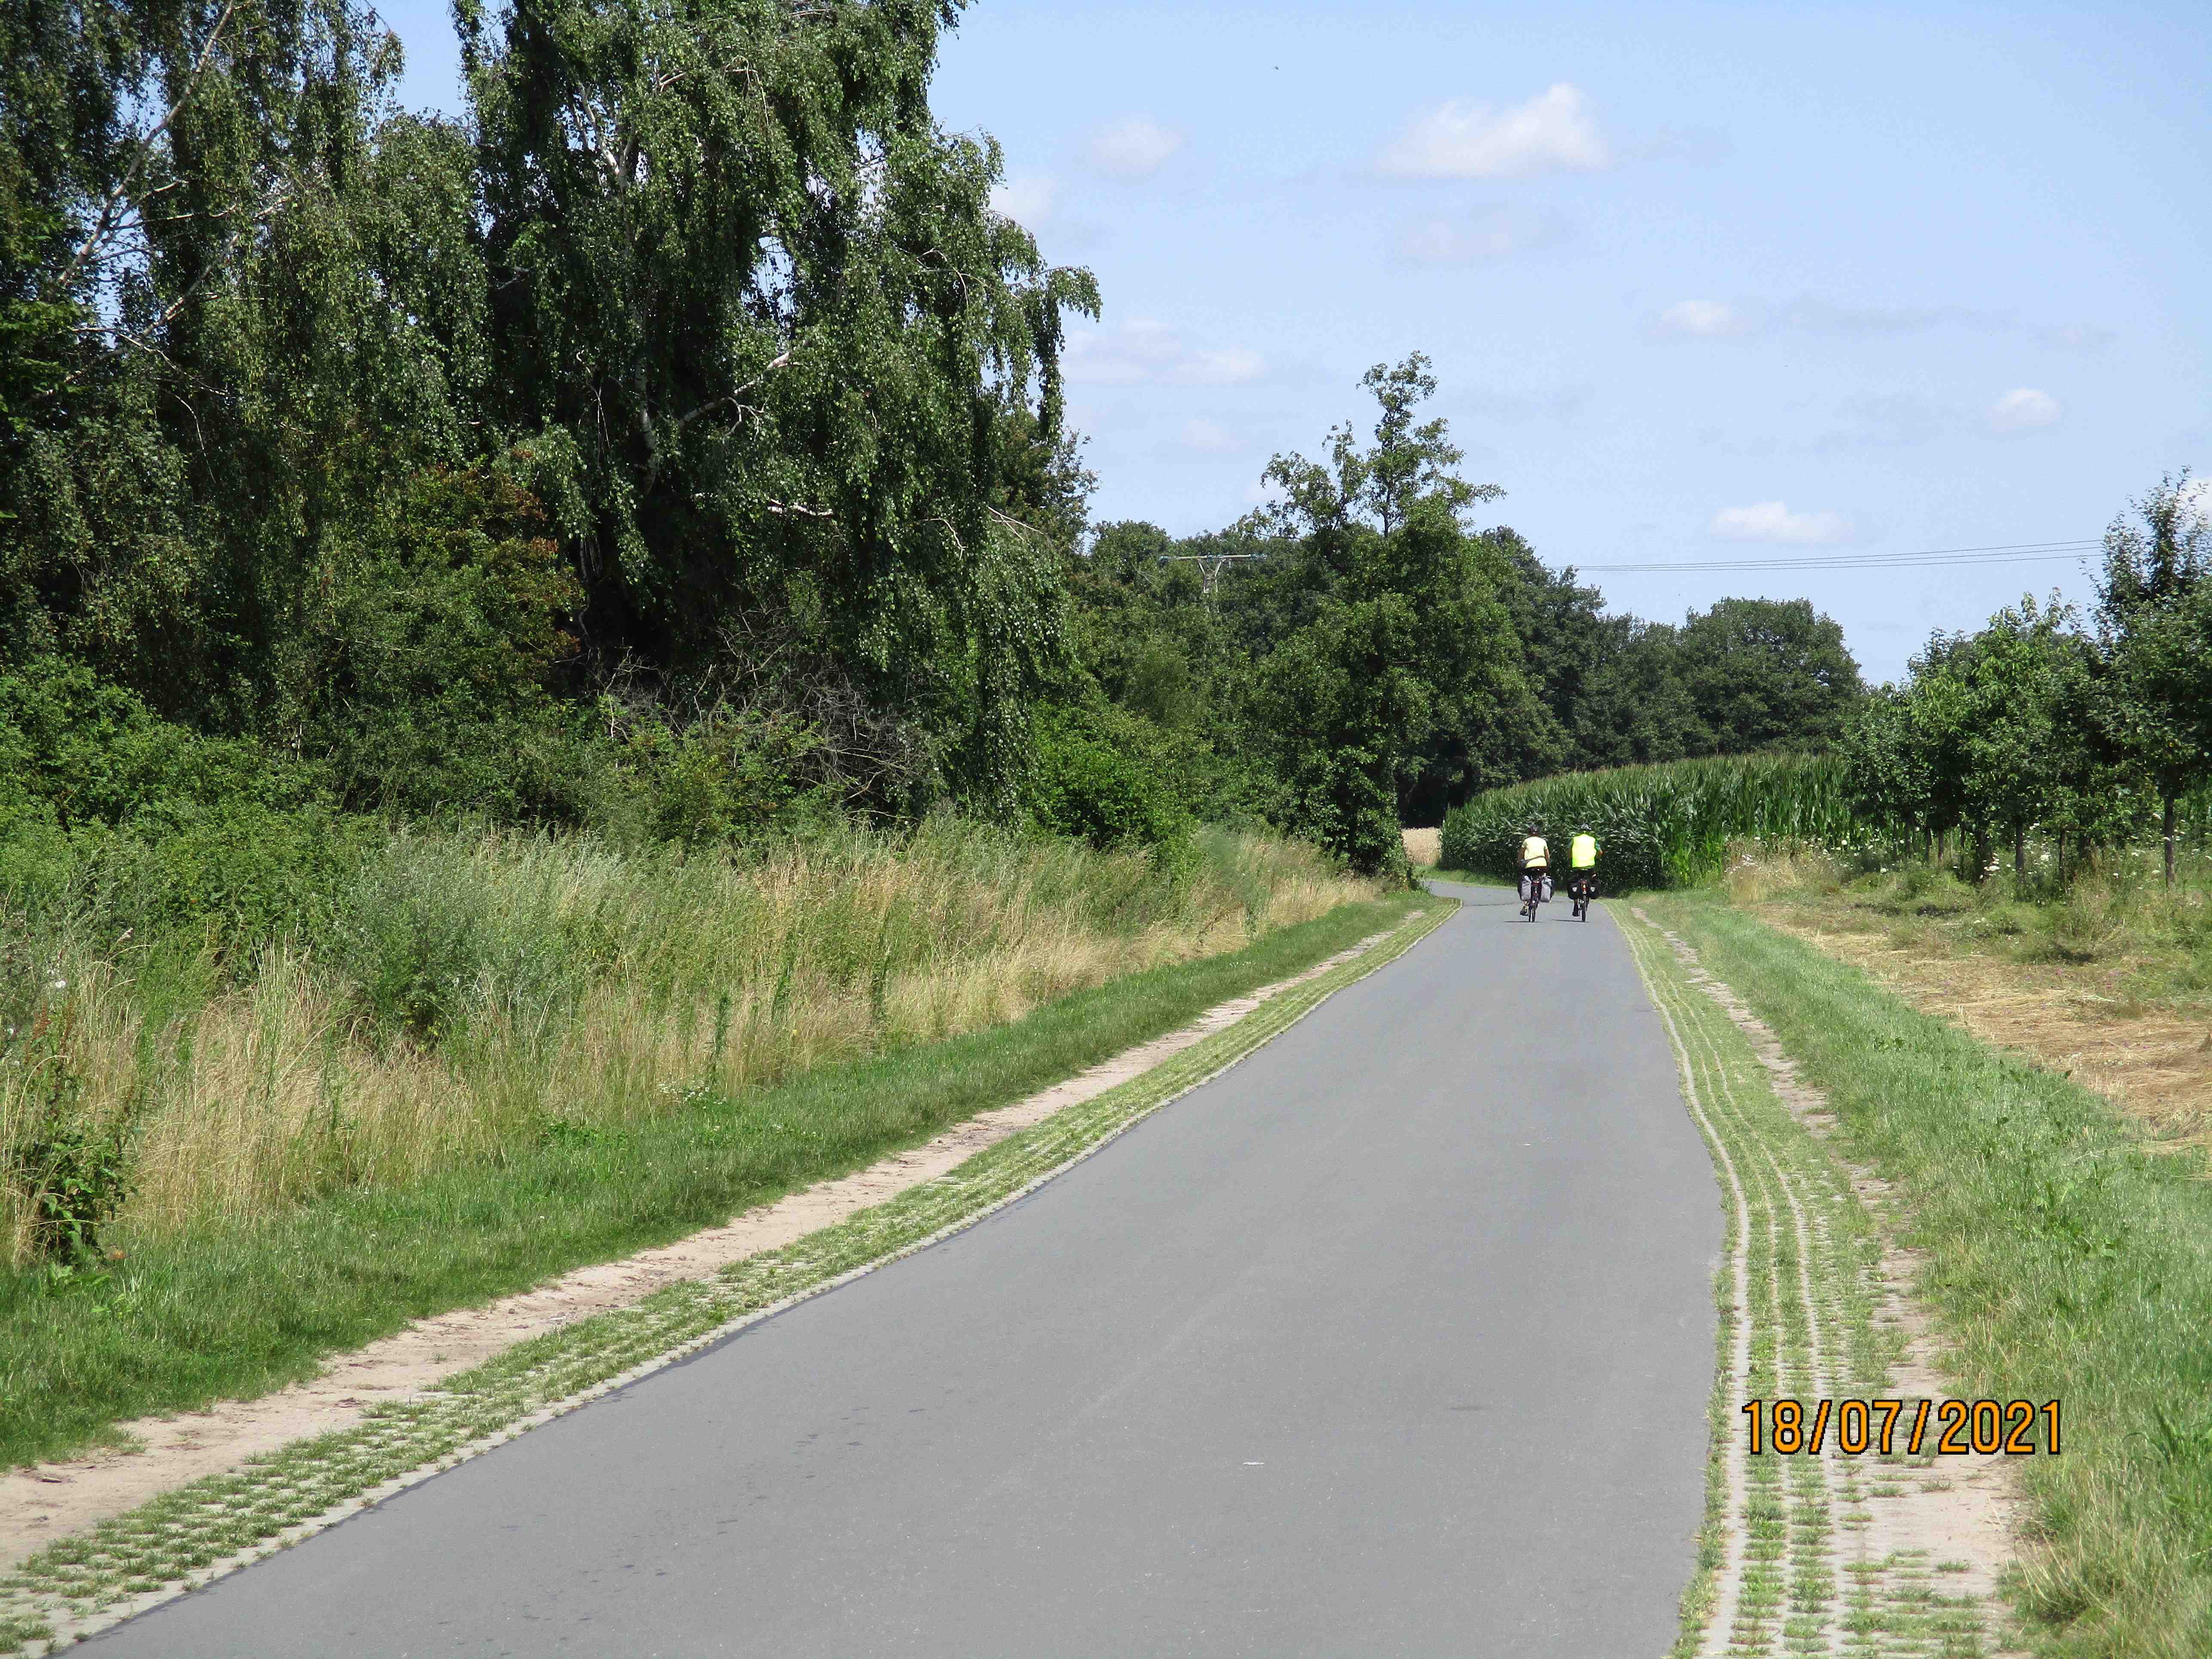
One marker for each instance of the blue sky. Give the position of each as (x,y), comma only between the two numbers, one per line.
(1699,282)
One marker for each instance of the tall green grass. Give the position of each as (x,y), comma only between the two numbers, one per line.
(224,1306)
(453,998)
(1668,825)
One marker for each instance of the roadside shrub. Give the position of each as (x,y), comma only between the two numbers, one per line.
(431,669)
(729,776)
(37,863)
(415,949)
(1085,787)
(232,878)
(93,752)
(67,1175)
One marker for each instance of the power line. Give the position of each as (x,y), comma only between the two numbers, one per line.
(1927,558)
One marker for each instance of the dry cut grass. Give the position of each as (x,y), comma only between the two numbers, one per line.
(2106,982)
(504,990)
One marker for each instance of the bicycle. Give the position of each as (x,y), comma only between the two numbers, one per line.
(1582,890)
(1535,880)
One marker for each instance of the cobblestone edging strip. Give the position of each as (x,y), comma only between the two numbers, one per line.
(1805,1554)
(186,1538)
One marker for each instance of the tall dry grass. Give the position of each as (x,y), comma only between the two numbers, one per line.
(482,992)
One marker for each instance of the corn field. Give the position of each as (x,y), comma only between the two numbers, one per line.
(1666,825)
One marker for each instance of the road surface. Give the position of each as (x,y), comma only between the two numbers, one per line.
(1396,1339)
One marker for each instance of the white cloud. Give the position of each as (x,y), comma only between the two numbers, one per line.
(1554,132)
(1706,319)
(1893,420)
(1563,404)
(1028,198)
(1821,316)
(1701,147)
(1772,521)
(1714,319)
(2076,337)
(1134,147)
(1209,438)
(2023,410)
(1143,352)
(1494,232)
(1227,366)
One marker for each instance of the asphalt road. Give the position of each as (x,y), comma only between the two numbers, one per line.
(1394,1340)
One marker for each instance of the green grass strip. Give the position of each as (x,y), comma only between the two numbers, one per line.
(186,1536)
(2063,1258)
(1784,1564)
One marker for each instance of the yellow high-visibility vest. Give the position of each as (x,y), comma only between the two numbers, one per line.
(1534,851)
(1584,853)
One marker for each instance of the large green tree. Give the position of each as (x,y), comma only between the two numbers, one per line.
(705,280)
(2155,625)
(1767,674)
(794,359)
(1405,691)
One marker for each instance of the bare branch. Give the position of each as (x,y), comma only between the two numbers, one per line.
(116,197)
(732,397)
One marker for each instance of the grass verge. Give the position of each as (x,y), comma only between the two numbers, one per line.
(222,1311)
(1803,1553)
(2063,1258)
(189,1536)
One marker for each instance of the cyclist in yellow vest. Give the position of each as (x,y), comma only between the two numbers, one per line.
(1536,867)
(1582,864)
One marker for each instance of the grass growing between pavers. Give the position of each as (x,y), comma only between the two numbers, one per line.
(223,1312)
(2065,1258)
(1796,1307)
(181,1536)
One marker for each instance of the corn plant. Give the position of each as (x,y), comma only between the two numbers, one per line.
(1666,825)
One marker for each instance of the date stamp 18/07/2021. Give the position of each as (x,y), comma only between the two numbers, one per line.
(1949,1428)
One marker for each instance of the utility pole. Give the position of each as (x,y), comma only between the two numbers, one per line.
(1209,565)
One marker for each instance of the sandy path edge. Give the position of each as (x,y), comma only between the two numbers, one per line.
(49,1501)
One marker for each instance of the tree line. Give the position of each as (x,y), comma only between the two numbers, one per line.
(673,444)
(689,365)
(1360,655)
(2083,727)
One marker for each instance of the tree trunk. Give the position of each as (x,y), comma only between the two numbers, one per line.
(2169,840)
(2020,855)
